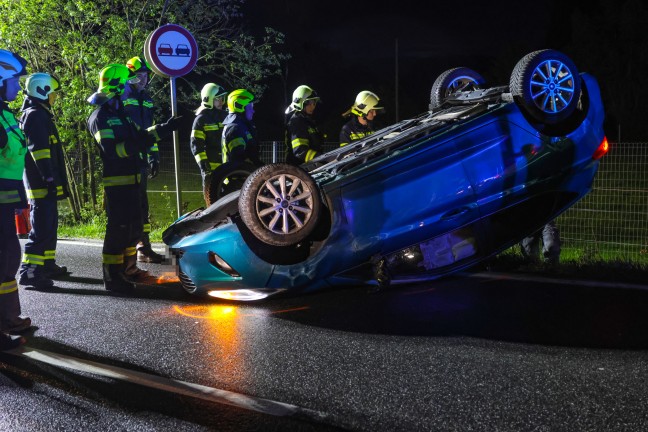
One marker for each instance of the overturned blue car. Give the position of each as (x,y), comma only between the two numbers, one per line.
(483,168)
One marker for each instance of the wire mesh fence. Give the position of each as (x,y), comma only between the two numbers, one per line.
(610,223)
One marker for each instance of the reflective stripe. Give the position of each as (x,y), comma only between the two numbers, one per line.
(153,132)
(59,190)
(236,142)
(213,127)
(299,142)
(154,148)
(120,149)
(41,154)
(130,101)
(104,134)
(214,165)
(8,287)
(310,154)
(34,259)
(197,134)
(113,259)
(343,144)
(10,128)
(8,197)
(147,104)
(130,251)
(147,228)
(114,122)
(36,193)
(200,157)
(121,180)
(50,254)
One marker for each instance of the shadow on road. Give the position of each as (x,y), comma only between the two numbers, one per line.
(529,312)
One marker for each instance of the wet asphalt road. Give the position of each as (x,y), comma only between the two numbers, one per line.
(460,354)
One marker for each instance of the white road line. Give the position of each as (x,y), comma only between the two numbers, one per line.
(265,406)
(82,243)
(542,279)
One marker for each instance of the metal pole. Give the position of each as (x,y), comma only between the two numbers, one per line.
(176,148)
(396,77)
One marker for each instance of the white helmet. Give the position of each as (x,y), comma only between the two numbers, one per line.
(209,92)
(11,66)
(39,85)
(365,102)
(302,94)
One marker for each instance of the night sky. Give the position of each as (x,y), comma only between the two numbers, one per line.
(341,48)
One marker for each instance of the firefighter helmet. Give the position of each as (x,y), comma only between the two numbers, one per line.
(238,99)
(39,85)
(210,92)
(11,66)
(302,94)
(113,79)
(365,102)
(138,64)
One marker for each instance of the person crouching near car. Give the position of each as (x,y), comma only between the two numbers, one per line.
(122,145)
(239,143)
(303,138)
(207,132)
(45,181)
(13,148)
(363,112)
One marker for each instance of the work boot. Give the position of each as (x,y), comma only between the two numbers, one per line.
(135,274)
(114,279)
(16,325)
(146,254)
(34,276)
(7,342)
(53,270)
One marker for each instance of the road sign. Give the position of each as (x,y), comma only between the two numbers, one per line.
(171,51)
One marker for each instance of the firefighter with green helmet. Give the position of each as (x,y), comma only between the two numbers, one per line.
(122,144)
(13,148)
(45,181)
(303,138)
(239,143)
(138,105)
(362,113)
(206,133)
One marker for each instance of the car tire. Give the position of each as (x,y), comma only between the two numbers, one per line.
(453,81)
(546,85)
(280,204)
(225,179)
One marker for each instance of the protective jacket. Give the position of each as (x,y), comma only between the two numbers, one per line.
(12,159)
(138,106)
(303,138)
(206,135)
(239,140)
(46,151)
(353,130)
(121,143)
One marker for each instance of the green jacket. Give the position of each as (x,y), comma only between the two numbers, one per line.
(12,144)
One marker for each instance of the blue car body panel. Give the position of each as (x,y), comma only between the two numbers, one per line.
(434,178)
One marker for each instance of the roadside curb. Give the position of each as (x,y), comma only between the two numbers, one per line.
(542,279)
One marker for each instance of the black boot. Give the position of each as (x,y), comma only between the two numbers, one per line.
(146,254)
(114,279)
(133,273)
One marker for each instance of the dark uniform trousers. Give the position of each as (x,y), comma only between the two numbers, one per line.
(41,246)
(9,263)
(124,227)
(146,223)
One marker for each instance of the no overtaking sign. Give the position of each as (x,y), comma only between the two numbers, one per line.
(171,51)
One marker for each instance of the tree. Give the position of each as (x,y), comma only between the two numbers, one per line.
(75,39)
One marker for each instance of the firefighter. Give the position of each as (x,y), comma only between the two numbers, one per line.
(303,139)
(362,114)
(206,133)
(13,148)
(239,143)
(122,145)
(45,181)
(139,107)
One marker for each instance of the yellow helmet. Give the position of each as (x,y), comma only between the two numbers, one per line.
(302,94)
(113,79)
(39,85)
(210,92)
(238,100)
(138,64)
(365,102)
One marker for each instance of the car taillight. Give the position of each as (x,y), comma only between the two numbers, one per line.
(602,149)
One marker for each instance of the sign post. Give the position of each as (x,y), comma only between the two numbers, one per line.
(171,52)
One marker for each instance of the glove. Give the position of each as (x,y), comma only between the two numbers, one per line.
(51,187)
(154,168)
(172,124)
(205,166)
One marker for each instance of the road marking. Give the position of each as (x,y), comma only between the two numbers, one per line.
(82,243)
(542,279)
(265,406)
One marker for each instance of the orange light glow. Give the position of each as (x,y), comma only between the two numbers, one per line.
(602,149)
(167,277)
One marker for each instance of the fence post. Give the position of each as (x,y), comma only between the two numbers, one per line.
(274,151)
